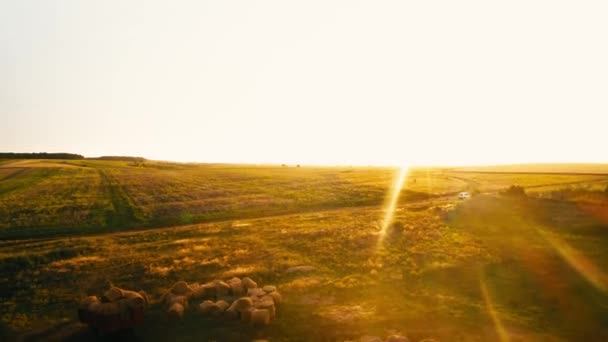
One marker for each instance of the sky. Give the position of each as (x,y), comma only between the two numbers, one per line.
(310,82)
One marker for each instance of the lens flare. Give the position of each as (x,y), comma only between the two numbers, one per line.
(500,329)
(579,262)
(392,202)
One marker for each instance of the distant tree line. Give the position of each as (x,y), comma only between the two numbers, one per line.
(121,158)
(40,155)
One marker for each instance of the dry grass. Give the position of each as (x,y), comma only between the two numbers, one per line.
(424,280)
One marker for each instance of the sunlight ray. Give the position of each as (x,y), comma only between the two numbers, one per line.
(392,202)
(500,329)
(579,262)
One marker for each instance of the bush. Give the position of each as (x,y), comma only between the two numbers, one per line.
(396,228)
(515,191)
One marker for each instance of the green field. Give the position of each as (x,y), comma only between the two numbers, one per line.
(532,268)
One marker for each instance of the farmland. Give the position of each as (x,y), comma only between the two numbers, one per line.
(532,267)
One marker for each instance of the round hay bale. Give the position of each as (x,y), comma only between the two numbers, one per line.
(173,299)
(176,311)
(231,314)
(87,301)
(197,291)
(243,303)
(108,309)
(222,289)
(267,305)
(209,290)
(222,304)
(125,311)
(397,338)
(246,315)
(276,297)
(260,317)
(269,288)
(236,286)
(215,310)
(94,307)
(205,307)
(144,295)
(181,288)
(266,300)
(113,294)
(256,292)
(248,283)
(233,279)
(134,300)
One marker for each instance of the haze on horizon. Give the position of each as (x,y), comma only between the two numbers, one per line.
(315,82)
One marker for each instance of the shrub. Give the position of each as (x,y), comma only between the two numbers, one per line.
(515,190)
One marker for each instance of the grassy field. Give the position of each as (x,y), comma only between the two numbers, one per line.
(531,268)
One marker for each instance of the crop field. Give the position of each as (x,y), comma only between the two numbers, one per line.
(495,267)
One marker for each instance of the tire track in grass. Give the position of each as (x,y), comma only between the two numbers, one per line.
(125,214)
(23,178)
(15,173)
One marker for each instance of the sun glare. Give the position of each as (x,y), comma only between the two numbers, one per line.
(498,326)
(391,205)
(579,262)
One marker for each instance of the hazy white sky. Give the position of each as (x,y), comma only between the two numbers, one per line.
(338,82)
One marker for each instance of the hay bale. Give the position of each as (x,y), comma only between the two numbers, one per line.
(256,292)
(173,299)
(215,310)
(108,309)
(86,302)
(222,304)
(246,315)
(222,289)
(87,308)
(176,311)
(248,283)
(181,288)
(267,305)
(260,317)
(113,294)
(94,307)
(144,296)
(231,314)
(276,297)
(243,303)
(266,300)
(209,290)
(397,338)
(236,286)
(197,291)
(125,310)
(134,299)
(269,288)
(205,307)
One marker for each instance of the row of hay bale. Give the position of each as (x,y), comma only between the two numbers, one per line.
(115,310)
(234,299)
